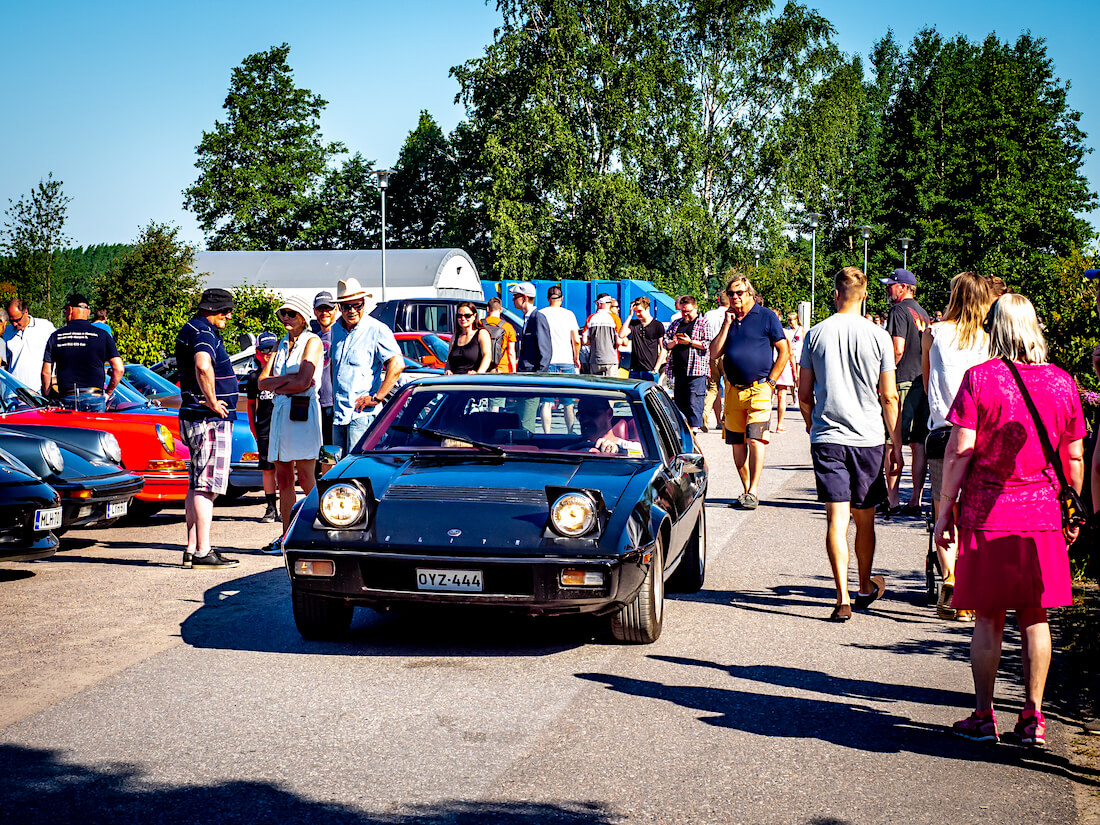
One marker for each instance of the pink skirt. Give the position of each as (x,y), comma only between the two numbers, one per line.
(1007,571)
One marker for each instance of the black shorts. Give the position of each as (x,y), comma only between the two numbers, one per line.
(853,474)
(263,441)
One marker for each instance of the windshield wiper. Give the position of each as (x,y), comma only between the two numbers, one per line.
(441,436)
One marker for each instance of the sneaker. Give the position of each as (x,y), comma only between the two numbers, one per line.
(213,561)
(1031,729)
(943,606)
(861,601)
(275,548)
(1092,726)
(187,560)
(977,728)
(965,616)
(270,515)
(749,501)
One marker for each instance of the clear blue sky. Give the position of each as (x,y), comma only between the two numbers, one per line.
(113,97)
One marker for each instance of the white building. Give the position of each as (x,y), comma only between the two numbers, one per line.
(410,273)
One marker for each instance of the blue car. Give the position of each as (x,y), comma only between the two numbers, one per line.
(543,494)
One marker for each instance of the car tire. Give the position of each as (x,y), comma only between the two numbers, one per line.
(640,622)
(692,570)
(318,618)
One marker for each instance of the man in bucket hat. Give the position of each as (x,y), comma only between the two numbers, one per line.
(209,389)
(366,363)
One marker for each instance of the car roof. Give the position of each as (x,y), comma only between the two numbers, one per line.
(632,386)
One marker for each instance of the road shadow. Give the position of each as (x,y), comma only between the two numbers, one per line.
(8,574)
(254,613)
(854,726)
(41,788)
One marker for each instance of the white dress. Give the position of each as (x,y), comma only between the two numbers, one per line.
(294,440)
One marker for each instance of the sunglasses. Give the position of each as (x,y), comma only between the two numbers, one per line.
(287,313)
(267,350)
(465,315)
(736,294)
(347,306)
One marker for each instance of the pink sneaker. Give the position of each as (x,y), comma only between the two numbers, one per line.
(977,728)
(1031,728)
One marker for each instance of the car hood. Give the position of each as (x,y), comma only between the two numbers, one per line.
(489,502)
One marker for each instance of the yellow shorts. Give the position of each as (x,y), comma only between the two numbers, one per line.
(748,410)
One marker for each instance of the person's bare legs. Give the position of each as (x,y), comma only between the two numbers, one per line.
(946,555)
(918,467)
(865,546)
(755,465)
(780,408)
(198,514)
(284,479)
(740,461)
(837,516)
(307,479)
(1035,654)
(985,655)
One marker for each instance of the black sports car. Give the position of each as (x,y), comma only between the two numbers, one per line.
(81,465)
(29,510)
(547,494)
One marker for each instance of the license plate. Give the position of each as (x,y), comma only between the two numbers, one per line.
(451,581)
(116,509)
(47,519)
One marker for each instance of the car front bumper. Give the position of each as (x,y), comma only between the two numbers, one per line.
(531,585)
(78,511)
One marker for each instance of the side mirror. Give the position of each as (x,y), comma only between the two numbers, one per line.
(688,463)
(331,454)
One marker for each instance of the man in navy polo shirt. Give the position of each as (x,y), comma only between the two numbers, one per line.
(209,389)
(754,350)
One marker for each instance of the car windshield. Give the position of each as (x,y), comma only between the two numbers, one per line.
(148,383)
(482,419)
(437,345)
(14,395)
(126,397)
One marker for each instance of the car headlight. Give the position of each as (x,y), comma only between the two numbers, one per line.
(573,514)
(342,505)
(51,454)
(111,449)
(166,440)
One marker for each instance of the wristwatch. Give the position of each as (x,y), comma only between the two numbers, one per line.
(771,382)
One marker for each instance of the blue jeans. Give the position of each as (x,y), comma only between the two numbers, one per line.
(562,369)
(346,436)
(645,375)
(85,400)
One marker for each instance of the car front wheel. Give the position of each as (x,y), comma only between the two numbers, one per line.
(318,618)
(640,622)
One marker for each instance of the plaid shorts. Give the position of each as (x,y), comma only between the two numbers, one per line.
(211,444)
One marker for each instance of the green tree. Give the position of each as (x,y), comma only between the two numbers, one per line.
(253,312)
(424,189)
(347,212)
(261,170)
(150,292)
(33,237)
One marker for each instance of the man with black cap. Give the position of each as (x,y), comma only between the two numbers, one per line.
(324,311)
(906,323)
(209,389)
(75,355)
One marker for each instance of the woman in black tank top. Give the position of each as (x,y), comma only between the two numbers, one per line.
(471,346)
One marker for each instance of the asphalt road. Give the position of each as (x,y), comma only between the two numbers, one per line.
(135,691)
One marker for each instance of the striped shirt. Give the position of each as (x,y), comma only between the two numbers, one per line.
(199,335)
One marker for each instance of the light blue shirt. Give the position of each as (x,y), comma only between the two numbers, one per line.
(359,361)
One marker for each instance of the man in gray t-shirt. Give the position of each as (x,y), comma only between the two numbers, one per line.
(846,387)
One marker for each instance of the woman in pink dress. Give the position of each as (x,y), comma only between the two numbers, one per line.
(1012,551)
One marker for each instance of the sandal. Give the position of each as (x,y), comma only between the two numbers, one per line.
(841,613)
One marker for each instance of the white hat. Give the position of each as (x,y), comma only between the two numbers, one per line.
(298,304)
(523,289)
(349,290)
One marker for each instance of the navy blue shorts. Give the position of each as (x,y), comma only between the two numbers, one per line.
(853,474)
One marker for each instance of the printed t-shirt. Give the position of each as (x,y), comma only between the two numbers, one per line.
(847,354)
(78,352)
(750,346)
(907,319)
(603,338)
(265,403)
(199,335)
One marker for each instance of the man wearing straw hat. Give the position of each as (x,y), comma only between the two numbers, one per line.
(366,363)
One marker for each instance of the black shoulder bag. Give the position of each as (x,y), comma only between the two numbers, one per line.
(1074,514)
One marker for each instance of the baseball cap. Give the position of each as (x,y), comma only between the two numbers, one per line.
(604,299)
(900,276)
(75,300)
(323,299)
(523,289)
(553,292)
(1092,273)
(216,300)
(266,340)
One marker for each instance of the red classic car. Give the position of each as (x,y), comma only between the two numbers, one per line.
(148,447)
(426,348)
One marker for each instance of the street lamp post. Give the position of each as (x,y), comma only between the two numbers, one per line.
(383,176)
(905,251)
(757,260)
(865,233)
(814,220)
